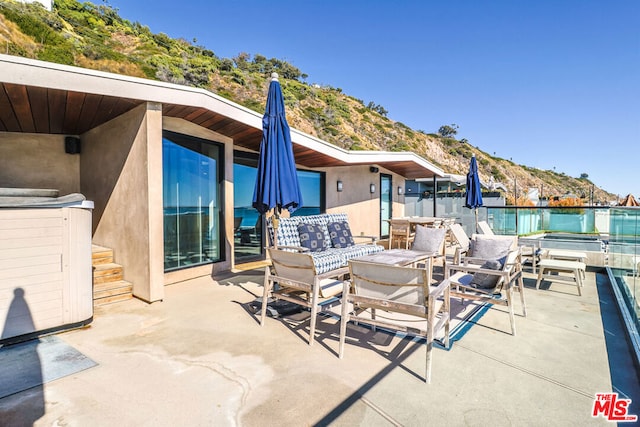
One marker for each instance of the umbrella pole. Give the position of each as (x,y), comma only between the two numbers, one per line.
(476,209)
(276,224)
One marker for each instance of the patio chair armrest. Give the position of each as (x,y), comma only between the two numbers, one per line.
(441,289)
(513,264)
(471,269)
(300,249)
(466,260)
(342,271)
(459,254)
(373,239)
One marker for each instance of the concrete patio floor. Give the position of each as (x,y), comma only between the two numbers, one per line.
(200,358)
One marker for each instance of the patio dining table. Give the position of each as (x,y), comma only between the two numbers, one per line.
(422,220)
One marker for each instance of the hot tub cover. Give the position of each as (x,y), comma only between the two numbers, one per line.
(24,201)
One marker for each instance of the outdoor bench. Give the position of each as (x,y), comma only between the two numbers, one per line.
(334,245)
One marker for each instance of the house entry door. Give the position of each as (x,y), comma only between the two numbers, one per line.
(386,204)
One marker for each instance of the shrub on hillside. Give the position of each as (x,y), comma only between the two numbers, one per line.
(568,202)
(520,201)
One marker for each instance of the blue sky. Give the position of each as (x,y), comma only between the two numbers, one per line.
(546,83)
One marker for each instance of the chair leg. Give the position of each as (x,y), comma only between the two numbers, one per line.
(314,313)
(521,288)
(265,294)
(447,325)
(373,317)
(344,318)
(578,276)
(430,332)
(540,273)
(512,317)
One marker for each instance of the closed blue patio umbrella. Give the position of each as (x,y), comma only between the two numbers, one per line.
(276,184)
(474,190)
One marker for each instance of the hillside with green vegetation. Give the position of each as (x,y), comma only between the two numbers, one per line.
(96,37)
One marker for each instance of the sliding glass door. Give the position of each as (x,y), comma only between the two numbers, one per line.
(192,185)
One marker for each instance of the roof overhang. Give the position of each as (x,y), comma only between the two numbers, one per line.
(43,97)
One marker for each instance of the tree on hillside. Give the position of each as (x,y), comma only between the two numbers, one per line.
(447,131)
(377,108)
(260,64)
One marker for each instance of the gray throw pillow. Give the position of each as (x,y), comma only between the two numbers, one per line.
(428,239)
(484,280)
(312,237)
(490,247)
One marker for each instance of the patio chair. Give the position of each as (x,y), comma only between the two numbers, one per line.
(431,241)
(527,253)
(530,253)
(400,233)
(485,228)
(491,269)
(298,282)
(461,240)
(236,223)
(394,298)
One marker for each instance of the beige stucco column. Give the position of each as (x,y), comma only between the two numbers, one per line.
(121,171)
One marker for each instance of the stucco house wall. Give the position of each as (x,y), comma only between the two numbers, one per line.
(38,161)
(356,200)
(121,171)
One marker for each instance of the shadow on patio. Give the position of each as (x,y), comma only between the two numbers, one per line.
(200,357)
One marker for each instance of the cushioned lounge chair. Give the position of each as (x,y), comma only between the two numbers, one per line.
(489,273)
(485,228)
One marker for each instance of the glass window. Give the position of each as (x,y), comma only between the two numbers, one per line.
(247,227)
(312,189)
(192,177)
(248,238)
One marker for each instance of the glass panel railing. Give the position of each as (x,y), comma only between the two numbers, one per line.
(609,235)
(525,221)
(624,256)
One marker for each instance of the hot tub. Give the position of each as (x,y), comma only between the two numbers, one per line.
(592,245)
(45,263)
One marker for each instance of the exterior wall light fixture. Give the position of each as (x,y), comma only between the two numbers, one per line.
(372,188)
(400,190)
(339,186)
